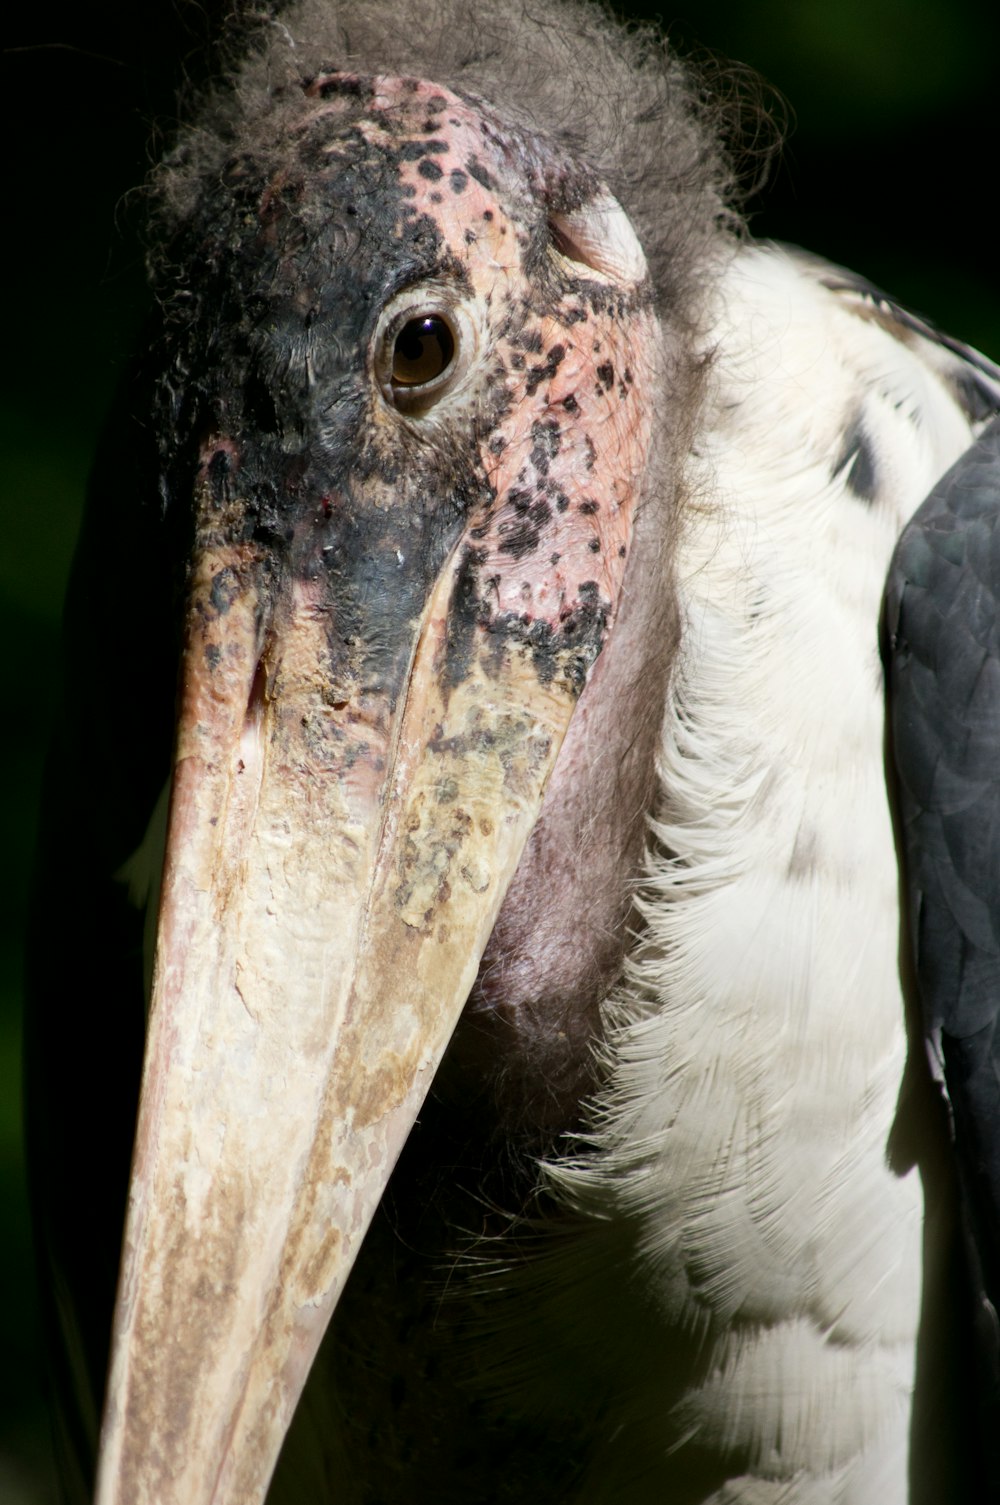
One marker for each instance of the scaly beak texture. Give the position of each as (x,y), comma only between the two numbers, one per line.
(335,863)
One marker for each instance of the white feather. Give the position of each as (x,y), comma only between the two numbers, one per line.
(758,1045)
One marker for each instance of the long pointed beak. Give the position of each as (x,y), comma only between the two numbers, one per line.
(333,874)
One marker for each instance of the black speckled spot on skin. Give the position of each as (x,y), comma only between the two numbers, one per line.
(857,456)
(547,371)
(545,441)
(225,589)
(567,652)
(430,170)
(458,180)
(524,536)
(476,170)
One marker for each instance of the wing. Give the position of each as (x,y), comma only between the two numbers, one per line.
(944,623)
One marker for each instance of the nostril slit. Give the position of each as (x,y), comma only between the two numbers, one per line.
(253,722)
(257,697)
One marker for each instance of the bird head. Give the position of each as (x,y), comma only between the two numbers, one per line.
(405,404)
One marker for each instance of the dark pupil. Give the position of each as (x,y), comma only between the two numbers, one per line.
(424,348)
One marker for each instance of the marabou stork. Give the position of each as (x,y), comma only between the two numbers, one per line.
(521,531)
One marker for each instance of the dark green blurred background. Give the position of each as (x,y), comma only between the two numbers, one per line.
(889,167)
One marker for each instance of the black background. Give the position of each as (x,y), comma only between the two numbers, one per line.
(889,166)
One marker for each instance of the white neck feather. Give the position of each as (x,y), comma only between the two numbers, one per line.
(758,1044)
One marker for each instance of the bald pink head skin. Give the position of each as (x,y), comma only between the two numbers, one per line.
(397,595)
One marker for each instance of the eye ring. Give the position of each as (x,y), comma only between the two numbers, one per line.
(424,348)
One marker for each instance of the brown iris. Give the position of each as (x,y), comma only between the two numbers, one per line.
(424,349)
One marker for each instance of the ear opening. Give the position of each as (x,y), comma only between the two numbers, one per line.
(600,237)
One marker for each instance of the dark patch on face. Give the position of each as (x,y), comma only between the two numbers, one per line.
(594,546)
(465,613)
(588,508)
(547,371)
(219,468)
(546,439)
(530,340)
(570,403)
(429,169)
(591,449)
(858,457)
(606,375)
(567,651)
(458,180)
(523,537)
(213,655)
(476,170)
(224,591)
(575,314)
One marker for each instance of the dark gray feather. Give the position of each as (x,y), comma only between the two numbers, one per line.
(943,606)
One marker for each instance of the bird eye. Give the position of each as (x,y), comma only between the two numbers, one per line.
(423,350)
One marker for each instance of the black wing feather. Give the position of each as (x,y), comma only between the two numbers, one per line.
(943,606)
